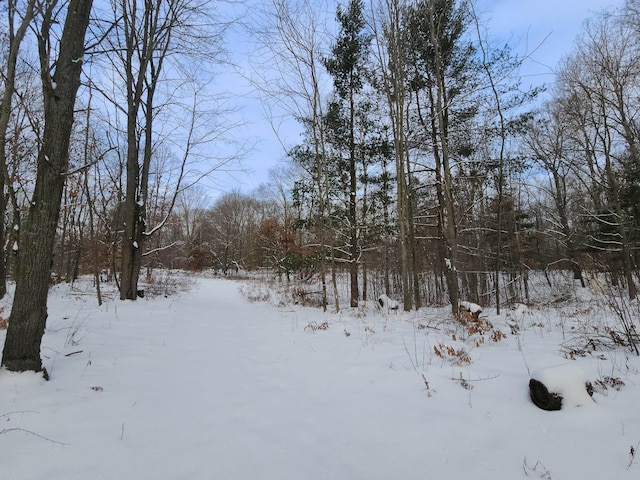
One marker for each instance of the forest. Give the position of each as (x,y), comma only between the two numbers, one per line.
(428,170)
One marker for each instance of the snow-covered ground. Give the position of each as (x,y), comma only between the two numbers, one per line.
(204,384)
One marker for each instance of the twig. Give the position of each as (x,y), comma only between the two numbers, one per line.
(481,379)
(29,432)
(73,353)
(426,384)
(406,349)
(17,412)
(544,474)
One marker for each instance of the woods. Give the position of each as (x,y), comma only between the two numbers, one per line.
(427,169)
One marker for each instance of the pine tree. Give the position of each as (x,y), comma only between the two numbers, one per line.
(347,66)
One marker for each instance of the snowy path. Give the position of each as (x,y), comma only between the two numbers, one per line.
(206,385)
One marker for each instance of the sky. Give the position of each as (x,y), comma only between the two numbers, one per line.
(545,29)
(548,26)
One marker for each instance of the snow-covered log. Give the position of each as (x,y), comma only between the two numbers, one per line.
(470,311)
(471,307)
(553,388)
(385,303)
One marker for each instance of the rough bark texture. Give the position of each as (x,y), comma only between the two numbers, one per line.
(131,248)
(29,310)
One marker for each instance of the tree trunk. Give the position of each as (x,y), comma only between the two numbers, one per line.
(29,310)
(391,65)
(131,249)
(450,234)
(353,217)
(3,258)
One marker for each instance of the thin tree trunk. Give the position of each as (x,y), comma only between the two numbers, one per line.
(353,217)
(15,40)
(446,195)
(90,205)
(627,263)
(396,97)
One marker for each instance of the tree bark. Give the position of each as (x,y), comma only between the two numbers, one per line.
(449,230)
(391,65)
(29,310)
(353,218)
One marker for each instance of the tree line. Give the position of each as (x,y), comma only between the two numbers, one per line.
(426,169)
(429,171)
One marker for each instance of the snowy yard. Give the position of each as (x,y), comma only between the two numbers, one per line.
(205,384)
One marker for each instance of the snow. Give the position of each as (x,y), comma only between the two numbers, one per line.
(205,384)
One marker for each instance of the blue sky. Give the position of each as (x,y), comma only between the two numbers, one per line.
(544,28)
(550,24)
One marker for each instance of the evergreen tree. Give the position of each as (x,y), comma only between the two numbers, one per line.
(347,65)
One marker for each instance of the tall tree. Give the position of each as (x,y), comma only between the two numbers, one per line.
(390,50)
(143,41)
(145,38)
(60,82)
(442,62)
(347,66)
(549,142)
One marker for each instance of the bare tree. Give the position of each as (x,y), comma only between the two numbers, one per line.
(145,39)
(549,142)
(191,210)
(231,231)
(23,13)
(603,73)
